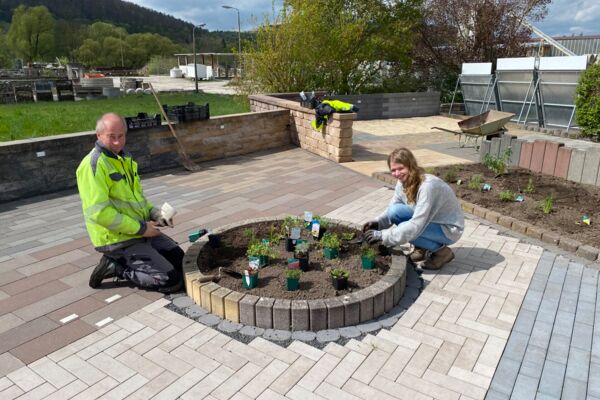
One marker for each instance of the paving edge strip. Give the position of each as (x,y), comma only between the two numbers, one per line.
(580,249)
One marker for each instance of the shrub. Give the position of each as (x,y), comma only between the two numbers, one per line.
(587,102)
(293,273)
(451,175)
(475,182)
(258,248)
(507,195)
(369,252)
(497,164)
(290,222)
(337,273)
(302,249)
(547,205)
(347,236)
(330,241)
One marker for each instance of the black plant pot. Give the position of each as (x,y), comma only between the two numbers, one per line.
(290,244)
(339,283)
(303,263)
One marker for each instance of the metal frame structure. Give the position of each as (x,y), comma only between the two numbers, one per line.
(477,84)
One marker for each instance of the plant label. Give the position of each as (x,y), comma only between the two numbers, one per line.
(254,263)
(295,233)
(316,226)
(459,182)
(486,187)
(586,219)
(293,263)
(307,217)
(519,198)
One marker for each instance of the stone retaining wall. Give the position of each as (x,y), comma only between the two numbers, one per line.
(45,165)
(333,141)
(296,315)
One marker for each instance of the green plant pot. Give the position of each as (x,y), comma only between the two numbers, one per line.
(330,253)
(262,260)
(367,263)
(251,282)
(292,284)
(339,283)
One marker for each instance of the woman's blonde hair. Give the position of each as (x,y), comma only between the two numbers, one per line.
(404,156)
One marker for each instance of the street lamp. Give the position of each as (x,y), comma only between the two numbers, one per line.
(194,47)
(239,32)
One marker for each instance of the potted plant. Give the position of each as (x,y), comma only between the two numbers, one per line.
(261,251)
(292,279)
(339,278)
(346,237)
(319,227)
(250,278)
(301,252)
(368,258)
(291,229)
(331,245)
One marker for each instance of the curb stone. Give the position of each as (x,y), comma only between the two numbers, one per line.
(328,335)
(304,336)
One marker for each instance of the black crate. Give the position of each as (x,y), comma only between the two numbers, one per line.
(187,112)
(142,121)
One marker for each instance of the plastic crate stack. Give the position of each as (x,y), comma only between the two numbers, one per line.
(187,112)
(142,121)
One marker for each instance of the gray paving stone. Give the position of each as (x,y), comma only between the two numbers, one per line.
(588,293)
(335,313)
(545,396)
(248,310)
(574,389)
(282,314)
(516,151)
(568,301)
(183,302)
(351,310)
(505,376)
(300,316)
(350,332)
(304,336)
(264,312)
(594,380)
(277,335)
(366,305)
(209,319)
(540,335)
(495,395)
(582,336)
(249,330)
(388,321)
(576,165)
(585,312)
(525,387)
(590,167)
(548,308)
(328,335)
(229,326)
(412,293)
(317,311)
(369,327)
(195,311)
(578,364)
(552,377)
(559,348)
(524,322)
(533,361)
(516,346)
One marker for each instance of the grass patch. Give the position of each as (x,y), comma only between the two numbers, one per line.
(28,120)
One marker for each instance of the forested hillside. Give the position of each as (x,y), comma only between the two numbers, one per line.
(133,18)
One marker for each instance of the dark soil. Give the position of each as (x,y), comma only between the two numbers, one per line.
(571,200)
(314,283)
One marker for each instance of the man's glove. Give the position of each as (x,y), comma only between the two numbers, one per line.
(164,216)
(372,236)
(370,225)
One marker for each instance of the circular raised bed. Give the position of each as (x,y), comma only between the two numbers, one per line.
(347,309)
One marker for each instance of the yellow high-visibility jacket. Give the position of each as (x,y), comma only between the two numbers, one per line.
(114,206)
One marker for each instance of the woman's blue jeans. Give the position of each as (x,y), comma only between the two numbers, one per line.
(432,238)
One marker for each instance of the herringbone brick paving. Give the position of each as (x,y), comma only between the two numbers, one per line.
(446,346)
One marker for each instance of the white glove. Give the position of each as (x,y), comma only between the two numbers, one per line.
(167,212)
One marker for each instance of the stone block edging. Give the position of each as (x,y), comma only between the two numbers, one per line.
(314,315)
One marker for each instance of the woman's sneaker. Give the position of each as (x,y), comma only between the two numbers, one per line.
(418,254)
(105,269)
(440,258)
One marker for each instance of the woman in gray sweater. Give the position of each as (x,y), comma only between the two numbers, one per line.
(424,212)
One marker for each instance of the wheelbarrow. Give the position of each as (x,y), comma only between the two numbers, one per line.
(489,124)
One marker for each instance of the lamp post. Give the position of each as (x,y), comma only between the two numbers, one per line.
(239,32)
(194,48)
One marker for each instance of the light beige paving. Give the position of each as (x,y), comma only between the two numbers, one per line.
(446,346)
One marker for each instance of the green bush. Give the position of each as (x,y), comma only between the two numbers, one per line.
(497,164)
(530,188)
(475,182)
(587,102)
(507,195)
(547,204)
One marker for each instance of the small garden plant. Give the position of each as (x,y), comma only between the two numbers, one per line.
(451,175)
(530,188)
(507,195)
(347,236)
(302,249)
(475,182)
(330,241)
(339,273)
(498,165)
(369,252)
(547,204)
(292,273)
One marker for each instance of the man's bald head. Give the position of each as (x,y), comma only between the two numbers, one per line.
(110,131)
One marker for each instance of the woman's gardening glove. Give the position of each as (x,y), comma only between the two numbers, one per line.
(370,225)
(372,236)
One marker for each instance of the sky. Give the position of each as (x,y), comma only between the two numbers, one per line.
(565,17)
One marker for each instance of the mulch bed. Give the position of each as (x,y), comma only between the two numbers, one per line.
(571,200)
(314,284)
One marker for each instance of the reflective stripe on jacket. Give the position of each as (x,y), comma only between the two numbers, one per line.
(114,206)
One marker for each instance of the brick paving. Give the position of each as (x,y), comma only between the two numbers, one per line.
(505,319)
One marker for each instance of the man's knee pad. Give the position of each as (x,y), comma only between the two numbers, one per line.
(174,256)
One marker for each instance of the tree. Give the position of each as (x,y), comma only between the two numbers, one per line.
(5,56)
(458,31)
(31,33)
(337,45)
(587,102)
